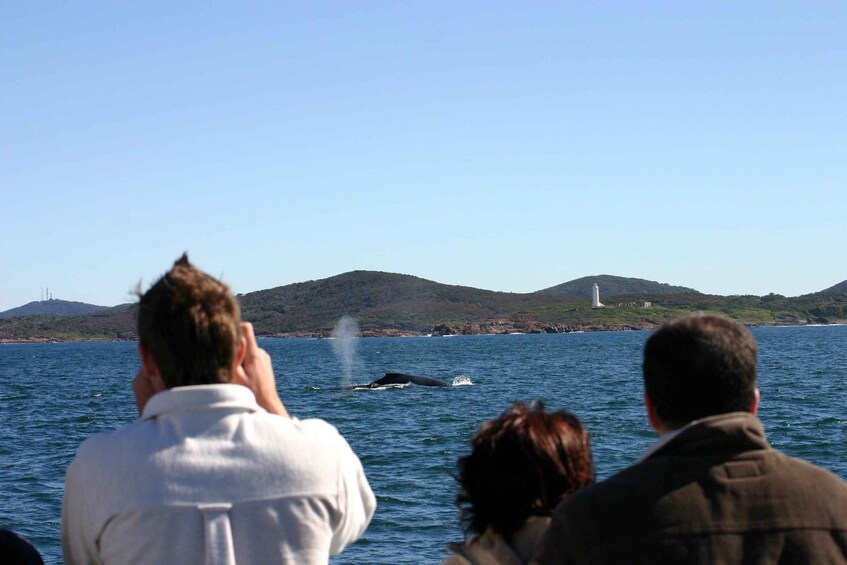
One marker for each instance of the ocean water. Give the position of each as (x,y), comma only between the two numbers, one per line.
(52,396)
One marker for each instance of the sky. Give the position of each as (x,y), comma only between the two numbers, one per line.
(503,146)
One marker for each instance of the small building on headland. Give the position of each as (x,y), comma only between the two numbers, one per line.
(636,304)
(595,301)
(595,297)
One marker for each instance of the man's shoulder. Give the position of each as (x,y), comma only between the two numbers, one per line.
(801,472)
(105,440)
(681,480)
(312,428)
(315,426)
(641,484)
(100,454)
(311,434)
(635,476)
(618,487)
(309,427)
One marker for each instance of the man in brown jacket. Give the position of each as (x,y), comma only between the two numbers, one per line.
(711,490)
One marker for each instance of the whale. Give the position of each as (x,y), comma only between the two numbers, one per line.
(397,379)
(403,378)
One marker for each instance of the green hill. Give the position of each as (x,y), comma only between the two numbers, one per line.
(52,307)
(840,288)
(113,323)
(379,301)
(395,304)
(611,285)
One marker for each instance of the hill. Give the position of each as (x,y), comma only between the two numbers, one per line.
(388,304)
(840,288)
(52,307)
(116,323)
(611,285)
(379,301)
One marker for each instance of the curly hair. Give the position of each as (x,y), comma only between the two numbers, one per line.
(522,464)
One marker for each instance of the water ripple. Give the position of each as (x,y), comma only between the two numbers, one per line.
(55,395)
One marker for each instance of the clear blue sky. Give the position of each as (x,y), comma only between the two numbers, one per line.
(495,145)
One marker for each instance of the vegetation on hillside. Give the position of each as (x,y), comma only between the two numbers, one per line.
(392,304)
(840,288)
(117,323)
(611,285)
(383,301)
(53,307)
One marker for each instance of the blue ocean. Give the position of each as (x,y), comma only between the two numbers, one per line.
(52,396)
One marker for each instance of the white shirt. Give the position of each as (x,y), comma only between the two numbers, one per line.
(207,476)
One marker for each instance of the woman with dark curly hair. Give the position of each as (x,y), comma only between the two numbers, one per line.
(522,464)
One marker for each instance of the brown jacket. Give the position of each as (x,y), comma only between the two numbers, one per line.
(714,493)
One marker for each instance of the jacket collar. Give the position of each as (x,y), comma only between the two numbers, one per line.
(200,397)
(741,429)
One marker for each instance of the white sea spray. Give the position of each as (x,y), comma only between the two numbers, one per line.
(345,345)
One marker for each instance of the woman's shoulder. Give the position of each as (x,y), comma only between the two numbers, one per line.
(492,548)
(455,558)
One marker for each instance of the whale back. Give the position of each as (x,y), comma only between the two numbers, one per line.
(403,378)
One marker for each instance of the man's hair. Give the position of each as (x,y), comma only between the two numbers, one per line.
(522,464)
(191,324)
(698,366)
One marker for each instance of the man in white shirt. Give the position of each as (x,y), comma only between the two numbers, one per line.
(215,471)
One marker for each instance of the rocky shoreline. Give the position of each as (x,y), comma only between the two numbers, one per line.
(488,327)
(505,327)
(4,341)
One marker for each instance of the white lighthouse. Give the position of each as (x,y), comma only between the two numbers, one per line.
(595,297)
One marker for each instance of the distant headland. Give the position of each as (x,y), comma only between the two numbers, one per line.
(390,304)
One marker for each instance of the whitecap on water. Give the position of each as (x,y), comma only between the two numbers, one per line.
(462,380)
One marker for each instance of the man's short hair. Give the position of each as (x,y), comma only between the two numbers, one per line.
(698,366)
(191,324)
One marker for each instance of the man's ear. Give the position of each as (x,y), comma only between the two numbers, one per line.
(151,370)
(241,352)
(754,405)
(147,362)
(653,416)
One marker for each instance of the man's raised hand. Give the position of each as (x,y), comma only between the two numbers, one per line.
(256,373)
